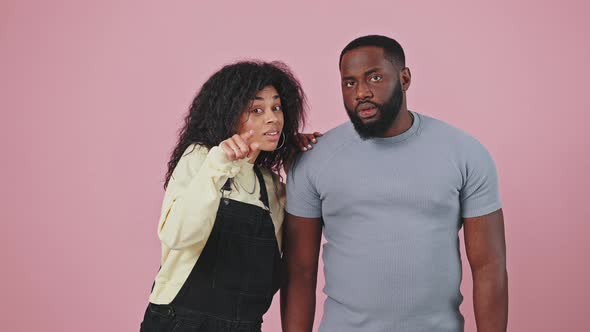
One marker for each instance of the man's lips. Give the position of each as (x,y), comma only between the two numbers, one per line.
(364,106)
(366,110)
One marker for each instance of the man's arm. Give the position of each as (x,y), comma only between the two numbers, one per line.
(301,246)
(486,251)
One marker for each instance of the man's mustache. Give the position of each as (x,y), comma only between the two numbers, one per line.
(365,102)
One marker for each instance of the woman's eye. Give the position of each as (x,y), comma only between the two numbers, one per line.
(376,78)
(257,110)
(277,108)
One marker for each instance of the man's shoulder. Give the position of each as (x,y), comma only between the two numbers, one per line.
(332,141)
(335,136)
(440,127)
(455,142)
(445,132)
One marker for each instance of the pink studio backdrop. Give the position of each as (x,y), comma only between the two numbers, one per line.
(92,94)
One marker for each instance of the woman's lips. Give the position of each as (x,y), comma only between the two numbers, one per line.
(273,135)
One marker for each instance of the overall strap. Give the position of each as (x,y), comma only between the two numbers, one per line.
(263,192)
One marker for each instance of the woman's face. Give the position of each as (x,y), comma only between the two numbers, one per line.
(265,118)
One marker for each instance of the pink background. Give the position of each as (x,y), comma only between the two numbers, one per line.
(92,94)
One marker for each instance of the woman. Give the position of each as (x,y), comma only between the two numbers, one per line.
(222,213)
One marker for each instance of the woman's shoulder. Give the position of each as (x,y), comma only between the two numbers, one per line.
(267,173)
(195,150)
(276,189)
(272,178)
(191,160)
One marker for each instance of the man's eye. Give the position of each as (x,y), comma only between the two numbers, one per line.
(349,84)
(376,78)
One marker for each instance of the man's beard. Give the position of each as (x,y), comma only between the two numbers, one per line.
(387,113)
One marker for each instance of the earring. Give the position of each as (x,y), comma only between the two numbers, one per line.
(284,140)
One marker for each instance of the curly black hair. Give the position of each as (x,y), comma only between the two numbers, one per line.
(215,112)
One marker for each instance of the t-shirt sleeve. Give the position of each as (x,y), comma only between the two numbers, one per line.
(479,194)
(303,199)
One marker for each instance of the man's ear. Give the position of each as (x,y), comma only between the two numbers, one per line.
(405,77)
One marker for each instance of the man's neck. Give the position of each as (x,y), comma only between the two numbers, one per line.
(402,123)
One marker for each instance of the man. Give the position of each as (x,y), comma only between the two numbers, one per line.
(391,190)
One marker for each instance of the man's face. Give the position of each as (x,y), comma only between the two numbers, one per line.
(371,90)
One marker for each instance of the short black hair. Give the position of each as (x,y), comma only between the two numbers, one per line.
(393,50)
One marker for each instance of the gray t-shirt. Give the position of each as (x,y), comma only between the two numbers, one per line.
(392,208)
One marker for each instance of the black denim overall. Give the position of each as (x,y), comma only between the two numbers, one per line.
(232,284)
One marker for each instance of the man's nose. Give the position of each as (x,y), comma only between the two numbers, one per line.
(363,91)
